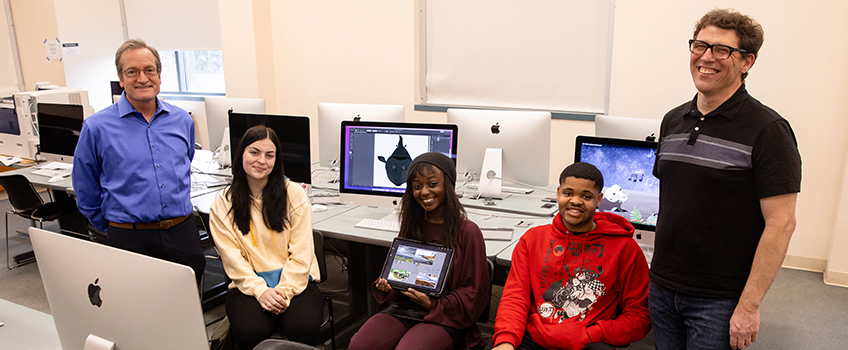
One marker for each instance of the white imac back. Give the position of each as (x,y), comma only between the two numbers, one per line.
(331,115)
(626,127)
(24,145)
(217,117)
(524,137)
(132,300)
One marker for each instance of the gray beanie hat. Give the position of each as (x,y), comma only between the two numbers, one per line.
(439,160)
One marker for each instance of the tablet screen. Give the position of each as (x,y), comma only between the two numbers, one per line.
(418,265)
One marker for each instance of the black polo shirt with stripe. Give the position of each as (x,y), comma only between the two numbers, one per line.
(713,170)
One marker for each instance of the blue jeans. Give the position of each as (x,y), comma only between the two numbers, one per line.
(683,321)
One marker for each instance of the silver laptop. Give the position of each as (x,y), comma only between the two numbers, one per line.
(120,297)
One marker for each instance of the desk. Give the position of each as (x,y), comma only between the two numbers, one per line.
(524,204)
(26,328)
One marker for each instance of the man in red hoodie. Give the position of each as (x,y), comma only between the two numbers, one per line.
(580,282)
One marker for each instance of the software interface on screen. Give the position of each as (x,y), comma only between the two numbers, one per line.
(378,156)
(630,188)
(418,266)
(9,121)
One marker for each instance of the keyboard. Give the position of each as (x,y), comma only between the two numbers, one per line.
(377,224)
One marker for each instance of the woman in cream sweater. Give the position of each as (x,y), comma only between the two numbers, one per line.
(262,227)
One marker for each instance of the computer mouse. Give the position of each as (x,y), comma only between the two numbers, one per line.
(318,208)
(57,179)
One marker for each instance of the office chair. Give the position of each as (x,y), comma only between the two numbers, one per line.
(27,204)
(318,241)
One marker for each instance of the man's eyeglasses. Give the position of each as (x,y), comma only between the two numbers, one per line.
(720,51)
(149,71)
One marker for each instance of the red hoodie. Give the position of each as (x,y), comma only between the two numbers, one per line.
(576,289)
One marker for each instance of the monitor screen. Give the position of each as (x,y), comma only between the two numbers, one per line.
(331,115)
(630,188)
(9,121)
(59,127)
(293,132)
(377,154)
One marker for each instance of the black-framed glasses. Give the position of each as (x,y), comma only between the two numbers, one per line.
(720,51)
(149,71)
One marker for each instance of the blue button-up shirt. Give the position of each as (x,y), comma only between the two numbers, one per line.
(130,171)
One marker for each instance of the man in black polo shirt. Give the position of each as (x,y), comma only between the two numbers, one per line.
(730,173)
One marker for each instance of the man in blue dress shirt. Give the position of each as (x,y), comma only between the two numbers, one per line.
(132,166)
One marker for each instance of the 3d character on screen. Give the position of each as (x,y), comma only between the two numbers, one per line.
(396,164)
(613,201)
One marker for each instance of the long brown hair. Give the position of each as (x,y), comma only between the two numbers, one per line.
(274,195)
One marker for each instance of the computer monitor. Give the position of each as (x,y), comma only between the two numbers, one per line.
(293,132)
(640,129)
(9,120)
(523,137)
(377,154)
(630,188)
(217,115)
(59,127)
(117,90)
(331,115)
(25,144)
(129,299)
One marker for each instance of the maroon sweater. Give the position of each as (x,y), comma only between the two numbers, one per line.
(467,290)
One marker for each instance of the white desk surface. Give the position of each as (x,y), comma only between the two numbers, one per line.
(342,226)
(26,328)
(524,204)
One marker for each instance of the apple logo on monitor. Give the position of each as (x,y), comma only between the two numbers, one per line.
(94,294)
(496,129)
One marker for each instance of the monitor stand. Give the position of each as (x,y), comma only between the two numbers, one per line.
(93,342)
(490,175)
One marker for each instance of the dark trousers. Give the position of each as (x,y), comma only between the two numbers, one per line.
(179,244)
(683,321)
(528,343)
(301,322)
(386,332)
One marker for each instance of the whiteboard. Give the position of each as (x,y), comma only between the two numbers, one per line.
(534,54)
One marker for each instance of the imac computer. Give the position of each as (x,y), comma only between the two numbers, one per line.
(331,115)
(630,188)
(377,154)
(293,132)
(217,115)
(509,145)
(102,296)
(25,143)
(59,127)
(627,128)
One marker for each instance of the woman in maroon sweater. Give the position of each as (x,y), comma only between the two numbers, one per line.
(430,211)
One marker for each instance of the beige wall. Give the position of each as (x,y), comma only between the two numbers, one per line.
(35,21)
(303,53)
(338,51)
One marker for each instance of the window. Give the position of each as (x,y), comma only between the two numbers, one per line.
(193,72)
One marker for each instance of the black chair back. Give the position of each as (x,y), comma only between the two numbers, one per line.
(22,195)
(484,318)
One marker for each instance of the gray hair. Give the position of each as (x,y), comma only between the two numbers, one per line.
(134,44)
